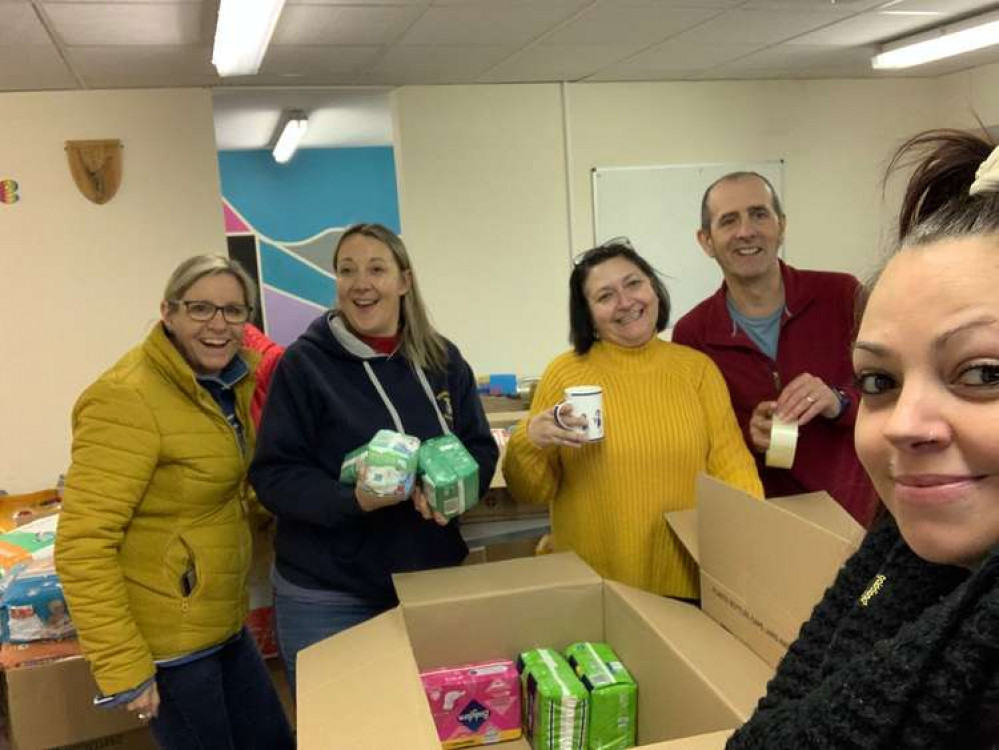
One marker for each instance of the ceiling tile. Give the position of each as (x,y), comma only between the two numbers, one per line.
(402,65)
(327,24)
(948,8)
(143,67)
(489,25)
(290,3)
(680,54)
(20,25)
(556,63)
(628,24)
(839,7)
(301,65)
(33,67)
(757,26)
(84,24)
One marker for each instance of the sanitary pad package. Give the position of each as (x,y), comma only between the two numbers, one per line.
(477,704)
(450,475)
(554,702)
(390,461)
(613,695)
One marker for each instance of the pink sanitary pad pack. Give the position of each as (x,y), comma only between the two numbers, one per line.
(476,704)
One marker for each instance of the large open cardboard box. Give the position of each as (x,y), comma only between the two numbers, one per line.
(360,690)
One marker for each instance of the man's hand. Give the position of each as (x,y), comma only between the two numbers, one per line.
(805,398)
(760,423)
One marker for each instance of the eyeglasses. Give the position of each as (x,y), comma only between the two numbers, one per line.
(202,311)
(606,244)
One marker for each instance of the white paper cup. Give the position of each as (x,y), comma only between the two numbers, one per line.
(586,401)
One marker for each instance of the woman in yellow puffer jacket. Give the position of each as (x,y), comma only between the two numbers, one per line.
(153,546)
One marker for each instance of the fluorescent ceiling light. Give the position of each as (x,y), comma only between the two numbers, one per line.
(947,41)
(242,34)
(296,123)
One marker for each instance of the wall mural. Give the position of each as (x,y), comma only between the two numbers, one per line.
(293,287)
(283,221)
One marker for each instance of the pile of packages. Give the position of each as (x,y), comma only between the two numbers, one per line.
(581,699)
(391,463)
(34,620)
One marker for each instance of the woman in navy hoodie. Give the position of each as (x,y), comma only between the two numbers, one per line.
(373,362)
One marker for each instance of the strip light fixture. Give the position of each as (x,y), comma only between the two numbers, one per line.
(946,41)
(242,34)
(295,125)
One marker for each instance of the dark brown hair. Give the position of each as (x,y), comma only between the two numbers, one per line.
(582,333)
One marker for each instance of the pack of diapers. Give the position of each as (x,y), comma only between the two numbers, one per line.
(477,704)
(450,475)
(613,695)
(554,703)
(32,541)
(34,607)
(390,460)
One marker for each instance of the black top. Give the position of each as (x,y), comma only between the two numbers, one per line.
(899,654)
(324,401)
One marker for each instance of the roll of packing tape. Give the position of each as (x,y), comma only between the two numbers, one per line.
(783,442)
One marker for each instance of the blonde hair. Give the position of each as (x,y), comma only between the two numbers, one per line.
(421,343)
(188,273)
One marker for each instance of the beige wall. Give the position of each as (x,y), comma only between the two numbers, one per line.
(482,182)
(483,209)
(80,283)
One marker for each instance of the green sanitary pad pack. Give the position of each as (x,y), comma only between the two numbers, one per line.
(450,475)
(613,695)
(555,704)
(390,460)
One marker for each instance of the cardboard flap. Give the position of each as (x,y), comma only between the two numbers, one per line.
(819,509)
(764,566)
(684,525)
(361,688)
(690,670)
(712,741)
(507,576)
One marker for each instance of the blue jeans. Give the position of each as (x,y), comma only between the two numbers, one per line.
(300,623)
(223,701)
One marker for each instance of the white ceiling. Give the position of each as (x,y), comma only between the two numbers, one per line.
(323,50)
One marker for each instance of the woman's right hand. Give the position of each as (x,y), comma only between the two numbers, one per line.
(543,431)
(370,501)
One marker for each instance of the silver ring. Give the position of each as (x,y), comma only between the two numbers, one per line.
(143,717)
(809,399)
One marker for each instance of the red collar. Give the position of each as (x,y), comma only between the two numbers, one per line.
(382,344)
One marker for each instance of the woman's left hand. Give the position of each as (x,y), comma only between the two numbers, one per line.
(424,508)
(147,705)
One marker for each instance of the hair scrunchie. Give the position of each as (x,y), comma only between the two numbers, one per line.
(987,175)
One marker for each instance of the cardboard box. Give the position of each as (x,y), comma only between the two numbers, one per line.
(765,565)
(50,706)
(361,688)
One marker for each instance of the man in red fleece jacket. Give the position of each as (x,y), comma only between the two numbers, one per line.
(782,339)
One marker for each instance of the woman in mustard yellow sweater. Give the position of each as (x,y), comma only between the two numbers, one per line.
(668,417)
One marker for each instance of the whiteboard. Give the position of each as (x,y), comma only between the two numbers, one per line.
(659,209)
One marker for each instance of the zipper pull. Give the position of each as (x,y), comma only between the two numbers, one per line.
(776,378)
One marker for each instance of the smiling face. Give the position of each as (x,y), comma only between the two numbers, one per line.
(745,232)
(209,346)
(927,360)
(622,302)
(370,286)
